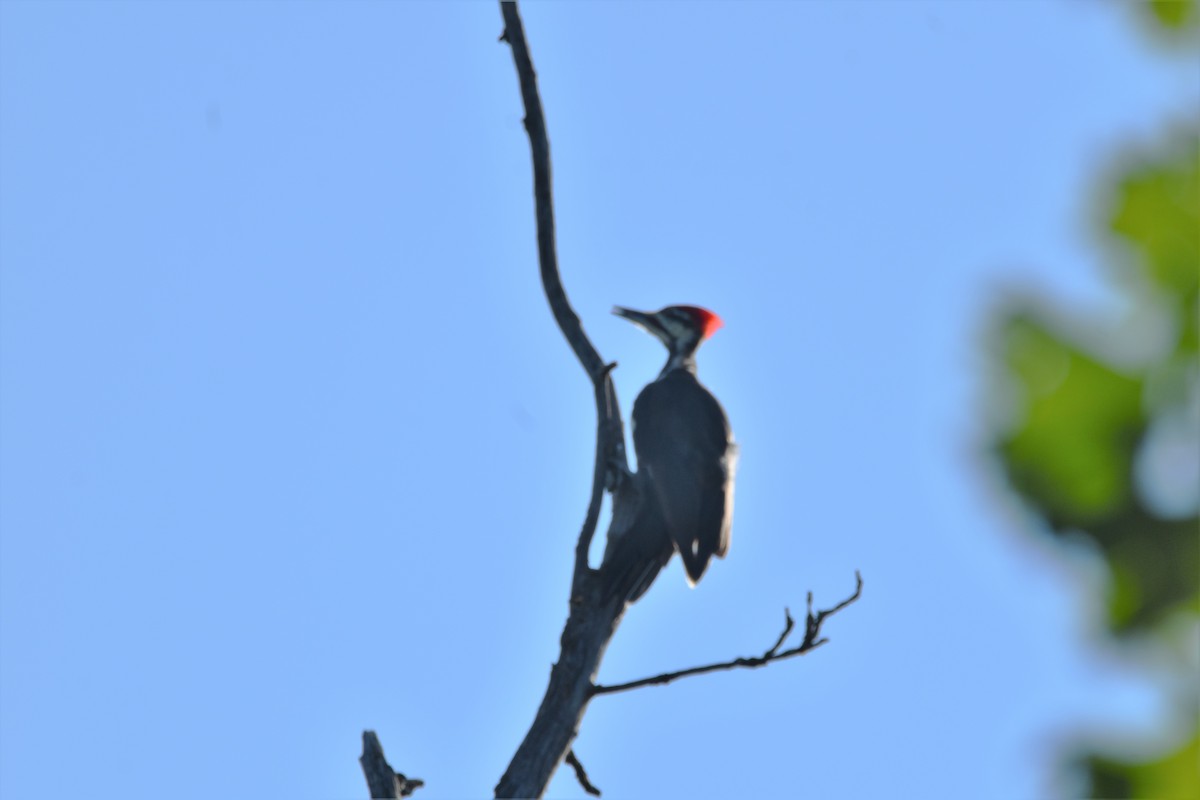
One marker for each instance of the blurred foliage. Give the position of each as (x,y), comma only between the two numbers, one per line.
(1073,454)
(1172,777)
(1157,211)
(1084,419)
(1171,14)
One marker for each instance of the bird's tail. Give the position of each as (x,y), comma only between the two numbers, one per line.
(634,561)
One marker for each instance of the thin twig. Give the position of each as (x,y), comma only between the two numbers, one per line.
(788,624)
(581,774)
(811,641)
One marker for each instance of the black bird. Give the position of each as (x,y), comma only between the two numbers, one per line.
(686,458)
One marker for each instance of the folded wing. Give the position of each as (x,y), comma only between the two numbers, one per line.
(684,445)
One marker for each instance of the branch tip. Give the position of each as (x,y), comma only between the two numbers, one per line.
(812,640)
(581,774)
(382,780)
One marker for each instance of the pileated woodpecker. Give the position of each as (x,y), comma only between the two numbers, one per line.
(686,458)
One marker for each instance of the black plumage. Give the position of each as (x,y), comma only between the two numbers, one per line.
(686,459)
(684,445)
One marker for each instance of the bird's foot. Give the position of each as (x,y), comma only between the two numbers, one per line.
(617,473)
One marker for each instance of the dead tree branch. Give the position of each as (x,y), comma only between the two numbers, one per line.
(610,436)
(382,780)
(594,614)
(812,640)
(581,774)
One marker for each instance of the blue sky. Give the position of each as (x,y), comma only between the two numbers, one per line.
(290,447)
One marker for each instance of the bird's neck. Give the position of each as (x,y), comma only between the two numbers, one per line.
(684,359)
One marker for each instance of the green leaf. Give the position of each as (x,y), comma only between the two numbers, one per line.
(1154,566)
(1173,777)
(1156,209)
(1172,14)
(1071,456)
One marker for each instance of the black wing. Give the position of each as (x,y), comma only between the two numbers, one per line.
(684,444)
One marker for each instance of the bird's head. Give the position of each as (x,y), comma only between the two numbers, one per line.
(680,328)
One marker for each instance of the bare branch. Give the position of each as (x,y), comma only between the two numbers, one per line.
(581,774)
(811,642)
(788,625)
(593,616)
(382,780)
(610,436)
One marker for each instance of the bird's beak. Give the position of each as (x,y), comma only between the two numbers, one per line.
(636,317)
(644,319)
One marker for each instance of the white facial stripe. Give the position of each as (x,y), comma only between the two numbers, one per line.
(677,322)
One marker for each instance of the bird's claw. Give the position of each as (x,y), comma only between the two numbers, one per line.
(617,474)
